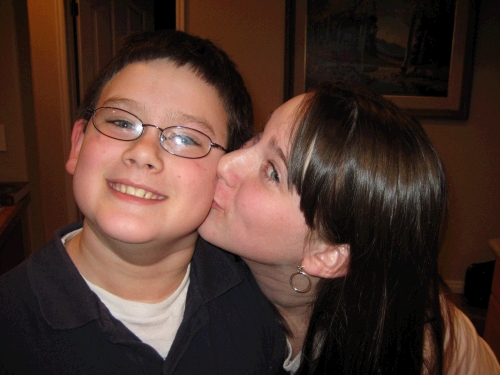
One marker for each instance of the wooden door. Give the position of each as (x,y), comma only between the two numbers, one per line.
(100,28)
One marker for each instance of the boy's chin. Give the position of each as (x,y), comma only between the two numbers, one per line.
(124,233)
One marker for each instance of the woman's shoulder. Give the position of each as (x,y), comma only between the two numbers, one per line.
(470,354)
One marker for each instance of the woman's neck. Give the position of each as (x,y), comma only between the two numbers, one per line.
(294,307)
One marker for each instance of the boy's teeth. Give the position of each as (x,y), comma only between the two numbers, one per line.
(140,193)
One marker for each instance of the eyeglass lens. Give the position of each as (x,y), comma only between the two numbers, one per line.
(177,140)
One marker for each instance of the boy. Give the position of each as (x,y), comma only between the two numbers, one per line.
(124,294)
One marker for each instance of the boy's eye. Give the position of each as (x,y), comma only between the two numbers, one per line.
(182,139)
(177,139)
(124,124)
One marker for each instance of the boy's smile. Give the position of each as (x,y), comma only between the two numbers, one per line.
(135,192)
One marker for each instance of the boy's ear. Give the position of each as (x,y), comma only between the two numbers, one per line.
(77,136)
(327,261)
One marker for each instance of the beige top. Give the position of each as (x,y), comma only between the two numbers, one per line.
(495,246)
(471,354)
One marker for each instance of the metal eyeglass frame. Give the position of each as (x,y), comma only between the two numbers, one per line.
(212,144)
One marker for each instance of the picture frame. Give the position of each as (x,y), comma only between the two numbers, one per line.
(437,88)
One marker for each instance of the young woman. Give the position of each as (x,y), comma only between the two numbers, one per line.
(337,208)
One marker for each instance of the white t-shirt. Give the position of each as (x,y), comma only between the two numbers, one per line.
(291,365)
(156,324)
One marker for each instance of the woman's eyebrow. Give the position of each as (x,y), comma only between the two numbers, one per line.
(273,144)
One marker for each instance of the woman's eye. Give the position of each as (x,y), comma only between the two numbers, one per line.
(272,173)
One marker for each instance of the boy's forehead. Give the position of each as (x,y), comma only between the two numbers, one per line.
(168,66)
(161,86)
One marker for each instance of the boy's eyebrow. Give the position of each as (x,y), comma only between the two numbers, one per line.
(180,117)
(184,117)
(111,102)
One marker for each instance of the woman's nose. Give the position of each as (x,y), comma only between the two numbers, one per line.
(146,151)
(233,166)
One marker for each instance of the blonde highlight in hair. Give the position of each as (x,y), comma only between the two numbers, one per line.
(369,177)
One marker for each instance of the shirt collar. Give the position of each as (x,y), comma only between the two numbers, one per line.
(64,298)
(66,301)
(215,271)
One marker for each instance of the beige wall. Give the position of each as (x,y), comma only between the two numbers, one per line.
(471,154)
(252,32)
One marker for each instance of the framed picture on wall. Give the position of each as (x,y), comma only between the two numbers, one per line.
(417,53)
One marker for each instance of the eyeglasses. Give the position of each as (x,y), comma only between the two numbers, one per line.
(177,140)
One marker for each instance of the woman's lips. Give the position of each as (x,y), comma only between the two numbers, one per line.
(216,206)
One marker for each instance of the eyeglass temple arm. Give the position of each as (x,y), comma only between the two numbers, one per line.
(89,113)
(217,146)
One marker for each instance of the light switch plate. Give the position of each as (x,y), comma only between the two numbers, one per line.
(3,144)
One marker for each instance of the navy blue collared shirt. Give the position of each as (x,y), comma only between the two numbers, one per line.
(52,323)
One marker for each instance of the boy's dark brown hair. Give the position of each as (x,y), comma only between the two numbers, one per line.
(205,59)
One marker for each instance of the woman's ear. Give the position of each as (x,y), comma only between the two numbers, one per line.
(77,136)
(326,260)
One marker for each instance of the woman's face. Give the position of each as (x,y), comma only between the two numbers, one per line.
(254,214)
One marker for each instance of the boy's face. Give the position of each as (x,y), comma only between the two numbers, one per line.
(182,189)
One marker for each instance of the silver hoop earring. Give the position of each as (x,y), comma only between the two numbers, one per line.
(302,273)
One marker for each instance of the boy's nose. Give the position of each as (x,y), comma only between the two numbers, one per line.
(146,151)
